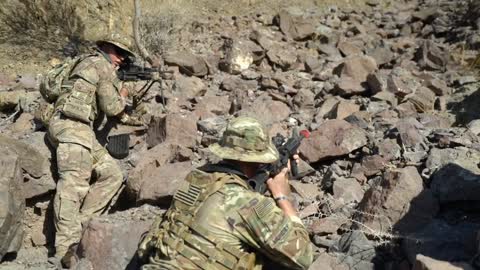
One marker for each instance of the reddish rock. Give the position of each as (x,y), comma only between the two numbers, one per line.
(343,109)
(349,48)
(294,28)
(332,139)
(267,111)
(175,128)
(399,202)
(188,63)
(158,185)
(211,106)
(353,74)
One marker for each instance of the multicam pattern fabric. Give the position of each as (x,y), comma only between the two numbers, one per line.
(235,217)
(79,153)
(245,139)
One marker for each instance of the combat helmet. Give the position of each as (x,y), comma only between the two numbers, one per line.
(245,139)
(120,41)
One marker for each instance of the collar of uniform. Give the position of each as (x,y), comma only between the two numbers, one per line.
(104,55)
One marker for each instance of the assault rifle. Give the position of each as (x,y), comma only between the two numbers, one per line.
(129,72)
(286,149)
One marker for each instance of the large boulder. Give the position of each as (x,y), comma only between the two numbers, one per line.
(455,174)
(110,242)
(35,160)
(159,185)
(187,63)
(442,241)
(293,27)
(267,111)
(12,202)
(154,178)
(399,202)
(331,139)
(179,129)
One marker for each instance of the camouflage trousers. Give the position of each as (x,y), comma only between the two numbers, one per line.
(77,199)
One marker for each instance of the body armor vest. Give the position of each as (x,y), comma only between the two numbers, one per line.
(180,232)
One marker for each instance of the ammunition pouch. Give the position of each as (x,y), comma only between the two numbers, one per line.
(78,104)
(44,113)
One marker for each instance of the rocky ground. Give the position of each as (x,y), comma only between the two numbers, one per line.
(388,91)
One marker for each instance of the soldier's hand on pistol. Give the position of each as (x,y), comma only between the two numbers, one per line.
(278,185)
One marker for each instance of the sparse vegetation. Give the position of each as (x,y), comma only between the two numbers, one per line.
(48,24)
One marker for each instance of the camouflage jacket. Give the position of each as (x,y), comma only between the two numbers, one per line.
(231,215)
(95,85)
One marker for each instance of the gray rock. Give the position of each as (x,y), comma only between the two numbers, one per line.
(442,241)
(328,262)
(212,106)
(423,99)
(190,86)
(236,83)
(267,110)
(357,250)
(377,82)
(110,242)
(347,190)
(12,203)
(439,87)
(457,177)
(430,56)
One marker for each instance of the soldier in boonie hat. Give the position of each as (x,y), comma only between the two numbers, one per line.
(121,42)
(245,139)
(223,223)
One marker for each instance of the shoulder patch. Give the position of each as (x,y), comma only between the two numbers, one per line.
(263,208)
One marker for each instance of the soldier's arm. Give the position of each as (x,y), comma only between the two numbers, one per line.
(110,101)
(110,95)
(265,227)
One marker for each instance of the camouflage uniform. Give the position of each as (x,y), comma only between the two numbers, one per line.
(94,86)
(216,221)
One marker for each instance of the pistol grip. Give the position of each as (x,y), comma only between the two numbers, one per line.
(293,167)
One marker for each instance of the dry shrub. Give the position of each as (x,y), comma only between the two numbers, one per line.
(47,24)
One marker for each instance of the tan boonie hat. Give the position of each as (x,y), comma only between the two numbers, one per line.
(121,42)
(245,139)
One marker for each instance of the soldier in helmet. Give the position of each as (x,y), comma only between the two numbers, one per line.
(94,88)
(216,221)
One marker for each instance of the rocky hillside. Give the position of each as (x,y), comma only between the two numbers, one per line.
(388,89)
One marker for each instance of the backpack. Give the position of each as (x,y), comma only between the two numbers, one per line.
(52,86)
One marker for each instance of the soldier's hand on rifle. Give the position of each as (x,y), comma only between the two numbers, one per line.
(131,120)
(124,92)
